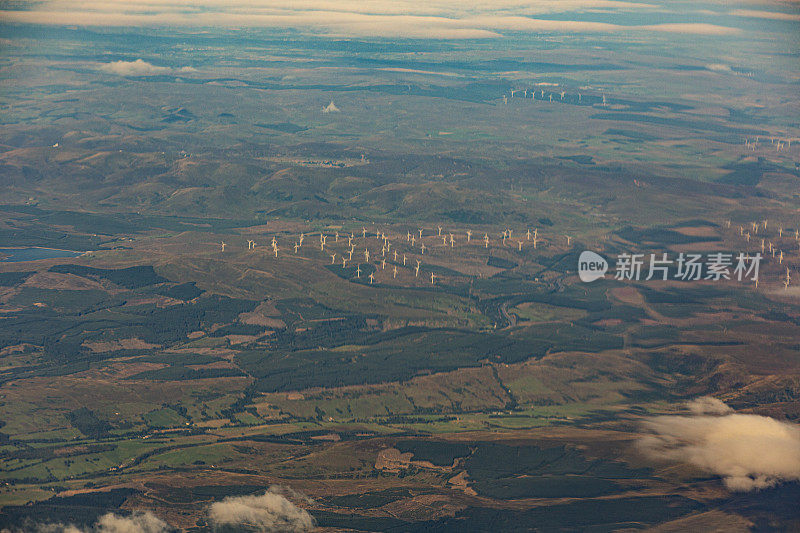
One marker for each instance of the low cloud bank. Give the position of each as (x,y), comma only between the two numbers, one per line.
(140,67)
(269,512)
(138,522)
(748,451)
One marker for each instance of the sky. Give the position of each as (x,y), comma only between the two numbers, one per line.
(435,19)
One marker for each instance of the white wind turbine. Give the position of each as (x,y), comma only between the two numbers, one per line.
(333,258)
(420,233)
(296,246)
(371,277)
(395,255)
(366,255)
(452,241)
(440,230)
(404,259)
(223,245)
(344,262)
(469,235)
(395,271)
(422,248)
(433,278)
(358,271)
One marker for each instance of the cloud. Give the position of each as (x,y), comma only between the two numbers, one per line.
(435,19)
(138,522)
(748,451)
(773,15)
(331,108)
(270,512)
(140,68)
(708,405)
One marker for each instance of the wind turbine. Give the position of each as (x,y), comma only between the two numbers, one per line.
(371,277)
(296,246)
(344,262)
(413,240)
(275,249)
(440,230)
(469,235)
(223,245)
(562,94)
(416,270)
(358,271)
(336,237)
(422,248)
(363,233)
(333,258)
(568,239)
(395,271)
(486,240)
(452,241)
(520,245)
(420,233)
(433,277)
(408,236)
(366,255)
(444,239)
(404,259)
(528,234)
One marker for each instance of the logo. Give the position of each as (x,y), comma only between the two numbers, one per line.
(591,266)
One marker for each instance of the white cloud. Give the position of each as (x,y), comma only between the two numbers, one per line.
(140,68)
(440,19)
(331,108)
(748,451)
(138,522)
(269,512)
(774,15)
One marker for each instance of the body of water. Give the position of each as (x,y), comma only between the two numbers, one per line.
(17,255)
